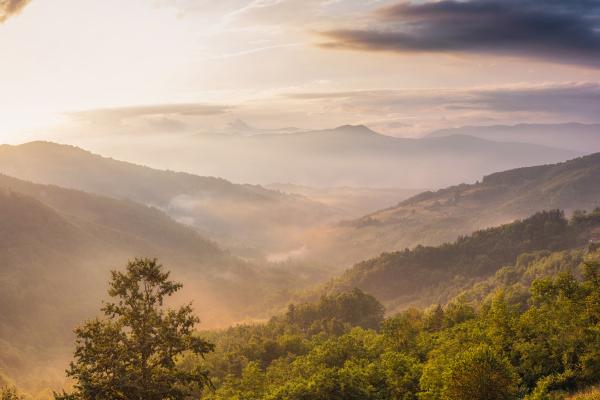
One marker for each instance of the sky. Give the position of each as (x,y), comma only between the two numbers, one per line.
(76,70)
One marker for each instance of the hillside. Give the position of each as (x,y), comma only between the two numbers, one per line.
(57,246)
(539,330)
(253,221)
(240,216)
(344,156)
(516,278)
(433,275)
(433,218)
(572,136)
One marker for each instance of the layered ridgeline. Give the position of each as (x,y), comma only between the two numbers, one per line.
(572,136)
(433,218)
(344,156)
(433,275)
(56,249)
(240,216)
(254,221)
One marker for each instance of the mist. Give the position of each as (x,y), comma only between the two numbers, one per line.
(299,199)
(352,156)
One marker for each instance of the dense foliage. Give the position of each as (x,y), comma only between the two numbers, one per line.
(540,345)
(131,353)
(591,394)
(426,275)
(9,393)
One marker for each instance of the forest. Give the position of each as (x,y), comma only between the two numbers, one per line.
(530,331)
(427,275)
(543,343)
(300,200)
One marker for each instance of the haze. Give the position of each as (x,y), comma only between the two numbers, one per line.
(362,198)
(181,68)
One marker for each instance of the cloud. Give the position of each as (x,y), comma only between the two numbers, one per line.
(278,12)
(147,119)
(180,109)
(255,50)
(577,99)
(9,8)
(414,111)
(402,112)
(552,30)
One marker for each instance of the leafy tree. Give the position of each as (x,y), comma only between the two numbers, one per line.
(402,331)
(132,352)
(10,394)
(540,345)
(337,313)
(480,374)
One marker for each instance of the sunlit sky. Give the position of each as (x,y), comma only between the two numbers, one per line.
(71,68)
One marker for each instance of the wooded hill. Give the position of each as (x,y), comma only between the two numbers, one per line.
(433,218)
(247,218)
(58,245)
(538,342)
(433,275)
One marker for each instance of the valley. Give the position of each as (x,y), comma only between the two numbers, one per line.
(300,200)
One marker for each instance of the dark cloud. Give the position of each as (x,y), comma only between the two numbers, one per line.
(572,100)
(11,7)
(565,31)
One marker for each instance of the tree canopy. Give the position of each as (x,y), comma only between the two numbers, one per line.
(540,345)
(133,351)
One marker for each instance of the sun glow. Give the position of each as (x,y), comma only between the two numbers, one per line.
(18,126)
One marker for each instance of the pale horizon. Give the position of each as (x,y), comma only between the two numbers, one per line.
(176,68)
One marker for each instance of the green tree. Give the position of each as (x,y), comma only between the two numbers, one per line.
(9,394)
(480,374)
(132,352)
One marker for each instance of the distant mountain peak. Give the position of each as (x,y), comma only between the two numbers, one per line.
(354,129)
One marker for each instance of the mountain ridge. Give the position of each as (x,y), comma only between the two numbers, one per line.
(237,215)
(58,245)
(427,275)
(435,217)
(572,135)
(343,156)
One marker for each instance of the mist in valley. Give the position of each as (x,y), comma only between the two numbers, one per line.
(293,200)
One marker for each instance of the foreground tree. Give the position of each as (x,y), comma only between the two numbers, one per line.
(480,374)
(132,353)
(9,394)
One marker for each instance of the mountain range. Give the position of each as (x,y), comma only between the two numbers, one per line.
(573,136)
(345,156)
(58,245)
(69,216)
(435,217)
(429,275)
(248,219)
